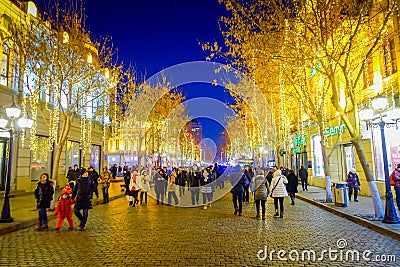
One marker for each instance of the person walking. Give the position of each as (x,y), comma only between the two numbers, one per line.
(206,188)
(64,208)
(246,186)
(238,180)
(303,174)
(113,171)
(181,181)
(353,182)
(172,187)
(94,176)
(134,189)
(144,186)
(261,190)
(74,174)
(44,195)
(194,184)
(159,185)
(278,192)
(395,177)
(83,191)
(105,181)
(270,174)
(291,186)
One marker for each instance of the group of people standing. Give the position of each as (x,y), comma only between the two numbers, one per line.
(166,182)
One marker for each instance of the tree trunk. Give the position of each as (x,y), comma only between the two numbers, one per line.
(376,200)
(66,126)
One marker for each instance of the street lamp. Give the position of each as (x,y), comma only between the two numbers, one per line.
(13,114)
(380,104)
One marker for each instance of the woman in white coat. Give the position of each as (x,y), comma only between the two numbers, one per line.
(278,191)
(144,186)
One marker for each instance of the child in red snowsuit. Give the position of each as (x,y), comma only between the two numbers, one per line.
(64,208)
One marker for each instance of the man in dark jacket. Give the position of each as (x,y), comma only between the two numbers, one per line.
(303,174)
(83,190)
(238,180)
(291,186)
(270,174)
(92,173)
(73,174)
(194,184)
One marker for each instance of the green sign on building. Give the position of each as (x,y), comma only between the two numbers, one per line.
(332,131)
(300,140)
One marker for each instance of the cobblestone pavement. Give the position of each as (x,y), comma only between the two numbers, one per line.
(151,235)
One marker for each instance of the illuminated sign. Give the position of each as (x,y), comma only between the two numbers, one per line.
(332,131)
(296,150)
(300,140)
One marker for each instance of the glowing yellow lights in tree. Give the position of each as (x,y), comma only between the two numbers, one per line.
(34,103)
(24,116)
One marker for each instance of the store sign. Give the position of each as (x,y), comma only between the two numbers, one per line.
(296,150)
(300,140)
(332,131)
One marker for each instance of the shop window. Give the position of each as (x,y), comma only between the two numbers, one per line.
(318,162)
(73,154)
(95,157)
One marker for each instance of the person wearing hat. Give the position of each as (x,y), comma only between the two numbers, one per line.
(64,208)
(396,179)
(83,190)
(353,182)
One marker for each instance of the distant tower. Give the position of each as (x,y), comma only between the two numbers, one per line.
(194,127)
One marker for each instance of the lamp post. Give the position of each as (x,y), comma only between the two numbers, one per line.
(13,114)
(379,104)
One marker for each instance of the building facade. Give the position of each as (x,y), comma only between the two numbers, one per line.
(27,164)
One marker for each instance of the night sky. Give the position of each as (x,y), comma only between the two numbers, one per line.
(155,34)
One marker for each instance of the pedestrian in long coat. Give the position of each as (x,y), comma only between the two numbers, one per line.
(261,190)
(44,195)
(291,187)
(83,191)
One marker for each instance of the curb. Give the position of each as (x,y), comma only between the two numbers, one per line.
(358,220)
(16,226)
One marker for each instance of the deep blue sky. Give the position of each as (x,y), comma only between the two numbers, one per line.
(155,34)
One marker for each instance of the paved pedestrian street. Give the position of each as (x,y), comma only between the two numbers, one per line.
(161,235)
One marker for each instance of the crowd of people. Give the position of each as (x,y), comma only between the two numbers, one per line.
(166,181)
(76,197)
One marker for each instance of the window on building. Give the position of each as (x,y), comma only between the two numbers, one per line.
(73,154)
(40,158)
(318,162)
(389,58)
(95,157)
(5,61)
(368,73)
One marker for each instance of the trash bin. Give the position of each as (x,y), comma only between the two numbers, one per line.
(341,197)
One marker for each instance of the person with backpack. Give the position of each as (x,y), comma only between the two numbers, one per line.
(82,194)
